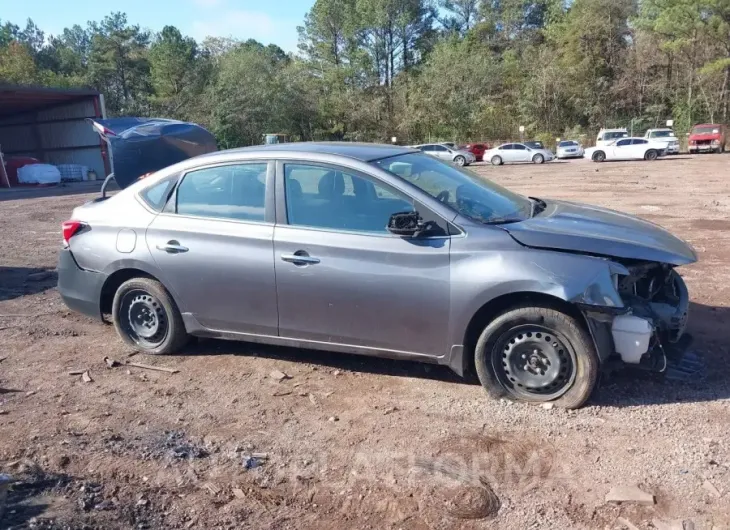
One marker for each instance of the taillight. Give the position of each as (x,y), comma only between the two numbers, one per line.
(70,228)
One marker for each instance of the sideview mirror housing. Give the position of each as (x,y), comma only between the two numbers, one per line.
(407,224)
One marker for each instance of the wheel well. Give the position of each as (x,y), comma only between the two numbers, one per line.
(501,304)
(113,282)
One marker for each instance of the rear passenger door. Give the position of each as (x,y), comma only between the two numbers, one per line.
(521,153)
(507,153)
(213,243)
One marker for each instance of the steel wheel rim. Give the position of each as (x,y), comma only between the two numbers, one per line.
(535,362)
(143,318)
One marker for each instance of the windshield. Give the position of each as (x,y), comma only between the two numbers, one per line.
(706,130)
(569,143)
(473,197)
(661,134)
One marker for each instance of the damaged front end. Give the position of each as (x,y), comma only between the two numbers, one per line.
(648,331)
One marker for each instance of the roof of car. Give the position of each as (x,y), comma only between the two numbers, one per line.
(359,151)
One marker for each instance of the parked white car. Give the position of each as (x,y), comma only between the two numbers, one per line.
(569,149)
(460,157)
(664,135)
(609,136)
(510,153)
(627,149)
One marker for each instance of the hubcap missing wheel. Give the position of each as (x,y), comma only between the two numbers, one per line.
(532,361)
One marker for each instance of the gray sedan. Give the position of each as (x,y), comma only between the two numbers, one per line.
(383,251)
(460,157)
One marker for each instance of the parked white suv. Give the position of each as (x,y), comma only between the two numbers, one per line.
(664,135)
(608,136)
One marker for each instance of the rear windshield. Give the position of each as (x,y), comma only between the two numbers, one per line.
(706,130)
(568,144)
(661,134)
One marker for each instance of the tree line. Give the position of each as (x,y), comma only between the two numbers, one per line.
(419,70)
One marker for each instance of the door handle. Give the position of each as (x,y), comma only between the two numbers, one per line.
(300,258)
(172,247)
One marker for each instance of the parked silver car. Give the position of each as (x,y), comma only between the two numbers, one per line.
(379,250)
(569,149)
(460,157)
(516,152)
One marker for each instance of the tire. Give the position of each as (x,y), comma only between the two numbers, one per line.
(496,160)
(568,376)
(142,307)
(538,159)
(599,156)
(651,154)
(460,161)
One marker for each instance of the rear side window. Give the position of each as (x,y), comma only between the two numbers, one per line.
(226,192)
(639,142)
(156,195)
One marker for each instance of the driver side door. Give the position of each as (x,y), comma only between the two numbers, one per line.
(342,279)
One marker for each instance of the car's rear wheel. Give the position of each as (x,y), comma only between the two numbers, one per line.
(537,355)
(651,154)
(538,159)
(599,156)
(496,160)
(146,317)
(460,161)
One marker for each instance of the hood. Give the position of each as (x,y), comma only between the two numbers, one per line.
(583,228)
(143,145)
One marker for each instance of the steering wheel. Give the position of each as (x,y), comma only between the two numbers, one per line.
(443,196)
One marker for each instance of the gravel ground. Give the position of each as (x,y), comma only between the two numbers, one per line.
(351,442)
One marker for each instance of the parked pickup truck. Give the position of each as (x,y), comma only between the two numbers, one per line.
(707,137)
(664,135)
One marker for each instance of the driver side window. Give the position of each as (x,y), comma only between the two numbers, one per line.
(335,199)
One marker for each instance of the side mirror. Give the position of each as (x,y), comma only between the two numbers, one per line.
(407,224)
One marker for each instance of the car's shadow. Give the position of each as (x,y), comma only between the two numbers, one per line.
(627,387)
(21,281)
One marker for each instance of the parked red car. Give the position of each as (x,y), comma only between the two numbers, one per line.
(476,149)
(707,137)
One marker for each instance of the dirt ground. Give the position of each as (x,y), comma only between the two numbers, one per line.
(352,442)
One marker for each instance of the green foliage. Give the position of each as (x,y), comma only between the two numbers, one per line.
(420,70)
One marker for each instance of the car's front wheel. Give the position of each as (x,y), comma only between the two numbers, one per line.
(537,354)
(147,318)
(460,161)
(651,154)
(538,159)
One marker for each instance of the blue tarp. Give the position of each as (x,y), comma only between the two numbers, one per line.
(142,145)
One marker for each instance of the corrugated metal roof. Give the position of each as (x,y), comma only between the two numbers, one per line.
(17,99)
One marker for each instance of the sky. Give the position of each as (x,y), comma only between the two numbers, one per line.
(268,21)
